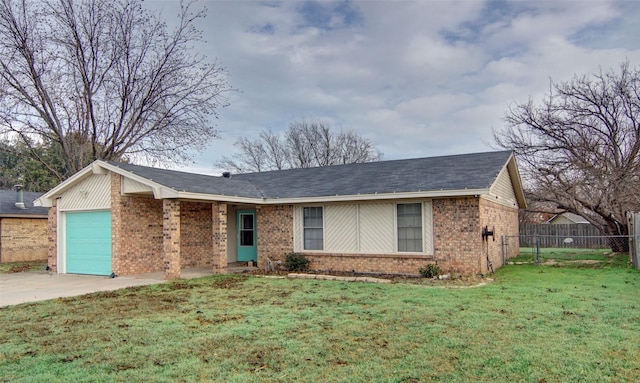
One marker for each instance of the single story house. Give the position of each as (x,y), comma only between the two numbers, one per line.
(379,217)
(23,227)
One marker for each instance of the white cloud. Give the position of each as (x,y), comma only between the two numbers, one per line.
(418,78)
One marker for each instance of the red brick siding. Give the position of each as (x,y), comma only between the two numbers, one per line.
(23,239)
(368,263)
(457,235)
(504,220)
(171,238)
(196,239)
(275,232)
(52,238)
(136,232)
(219,233)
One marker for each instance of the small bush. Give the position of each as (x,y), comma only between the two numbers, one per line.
(296,262)
(431,270)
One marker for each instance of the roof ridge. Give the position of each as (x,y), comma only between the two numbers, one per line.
(370,163)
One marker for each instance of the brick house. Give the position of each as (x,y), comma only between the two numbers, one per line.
(380,217)
(23,227)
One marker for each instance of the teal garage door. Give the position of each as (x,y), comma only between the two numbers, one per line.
(88,242)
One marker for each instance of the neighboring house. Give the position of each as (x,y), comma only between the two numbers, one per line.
(23,227)
(567,218)
(379,217)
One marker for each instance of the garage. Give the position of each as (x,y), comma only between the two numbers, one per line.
(88,242)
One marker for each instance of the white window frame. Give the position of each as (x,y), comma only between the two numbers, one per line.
(422,228)
(304,242)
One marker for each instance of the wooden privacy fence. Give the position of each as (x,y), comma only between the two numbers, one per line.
(578,235)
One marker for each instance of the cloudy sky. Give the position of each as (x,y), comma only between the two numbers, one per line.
(417,78)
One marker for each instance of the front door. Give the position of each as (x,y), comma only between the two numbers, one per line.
(247,249)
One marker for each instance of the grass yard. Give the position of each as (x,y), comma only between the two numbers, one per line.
(567,256)
(533,324)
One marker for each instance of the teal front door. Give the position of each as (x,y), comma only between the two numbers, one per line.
(247,249)
(88,242)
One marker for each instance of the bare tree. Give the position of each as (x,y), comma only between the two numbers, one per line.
(105,79)
(304,144)
(580,147)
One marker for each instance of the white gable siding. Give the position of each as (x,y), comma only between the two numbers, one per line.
(92,193)
(131,186)
(377,228)
(503,189)
(341,228)
(427,219)
(298,244)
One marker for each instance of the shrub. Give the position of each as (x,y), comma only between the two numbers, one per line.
(431,270)
(296,262)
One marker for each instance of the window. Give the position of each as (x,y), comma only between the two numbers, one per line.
(409,221)
(312,226)
(246,229)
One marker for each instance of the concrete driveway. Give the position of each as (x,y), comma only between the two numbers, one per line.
(35,286)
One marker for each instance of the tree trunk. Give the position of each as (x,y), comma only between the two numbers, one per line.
(619,242)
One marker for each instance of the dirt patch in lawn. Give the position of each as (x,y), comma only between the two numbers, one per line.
(22,267)
(449,280)
(552,262)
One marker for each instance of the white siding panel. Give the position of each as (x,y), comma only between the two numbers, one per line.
(297,229)
(428,227)
(131,186)
(377,228)
(503,188)
(91,193)
(232,234)
(341,228)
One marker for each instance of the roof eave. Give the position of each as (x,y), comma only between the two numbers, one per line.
(514,173)
(336,198)
(17,215)
(100,167)
(218,198)
(46,200)
(380,196)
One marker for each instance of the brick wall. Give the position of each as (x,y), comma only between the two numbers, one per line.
(219,236)
(171,238)
(275,232)
(368,263)
(136,232)
(504,221)
(52,238)
(196,239)
(23,239)
(457,235)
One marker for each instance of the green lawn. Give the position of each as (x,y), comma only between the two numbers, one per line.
(568,255)
(533,324)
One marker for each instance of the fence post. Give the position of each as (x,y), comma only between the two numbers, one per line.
(536,248)
(634,239)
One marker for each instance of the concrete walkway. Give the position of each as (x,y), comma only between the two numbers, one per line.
(35,286)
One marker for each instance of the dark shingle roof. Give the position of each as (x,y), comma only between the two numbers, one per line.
(456,172)
(191,182)
(8,208)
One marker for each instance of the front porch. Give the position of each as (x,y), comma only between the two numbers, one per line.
(216,236)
